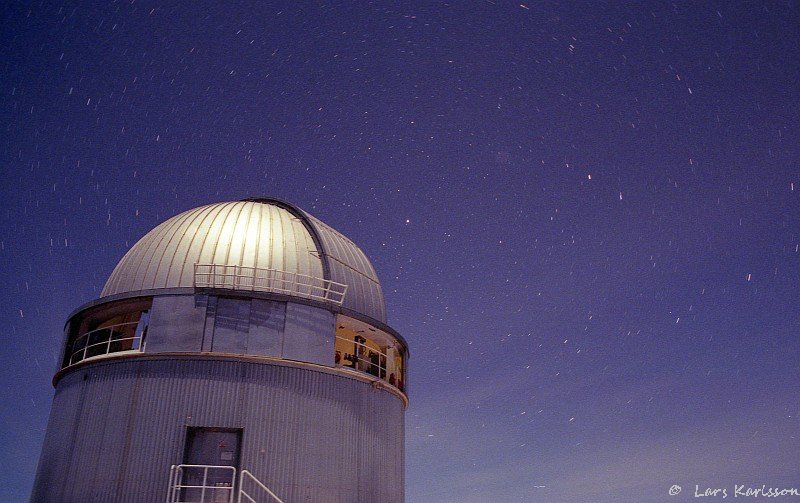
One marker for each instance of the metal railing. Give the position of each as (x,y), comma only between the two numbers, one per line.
(258,279)
(199,486)
(102,341)
(365,358)
(258,484)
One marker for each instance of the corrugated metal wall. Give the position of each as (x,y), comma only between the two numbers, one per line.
(117,426)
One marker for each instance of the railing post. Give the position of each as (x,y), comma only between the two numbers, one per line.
(203,489)
(177,483)
(169,485)
(233,485)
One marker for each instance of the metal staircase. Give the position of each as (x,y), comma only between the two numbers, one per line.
(216,484)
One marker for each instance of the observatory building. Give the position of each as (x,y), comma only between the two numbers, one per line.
(238,352)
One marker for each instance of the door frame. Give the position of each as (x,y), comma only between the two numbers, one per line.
(186,445)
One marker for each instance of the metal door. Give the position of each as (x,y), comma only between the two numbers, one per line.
(207,448)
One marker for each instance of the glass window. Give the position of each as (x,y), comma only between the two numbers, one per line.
(364,348)
(108,329)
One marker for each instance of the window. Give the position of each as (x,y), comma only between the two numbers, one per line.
(108,329)
(364,348)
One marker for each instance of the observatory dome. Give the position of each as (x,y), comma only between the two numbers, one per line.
(250,244)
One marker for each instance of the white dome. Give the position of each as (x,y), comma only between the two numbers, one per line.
(265,234)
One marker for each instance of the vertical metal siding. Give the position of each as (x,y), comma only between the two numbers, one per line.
(310,436)
(59,439)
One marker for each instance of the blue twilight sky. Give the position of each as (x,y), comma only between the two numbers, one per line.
(585,215)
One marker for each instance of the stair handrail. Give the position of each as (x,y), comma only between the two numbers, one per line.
(258,483)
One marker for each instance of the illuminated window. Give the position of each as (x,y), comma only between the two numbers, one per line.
(364,348)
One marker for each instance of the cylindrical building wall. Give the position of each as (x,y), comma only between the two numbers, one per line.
(236,336)
(117,425)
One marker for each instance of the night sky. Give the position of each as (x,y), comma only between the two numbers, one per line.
(585,216)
